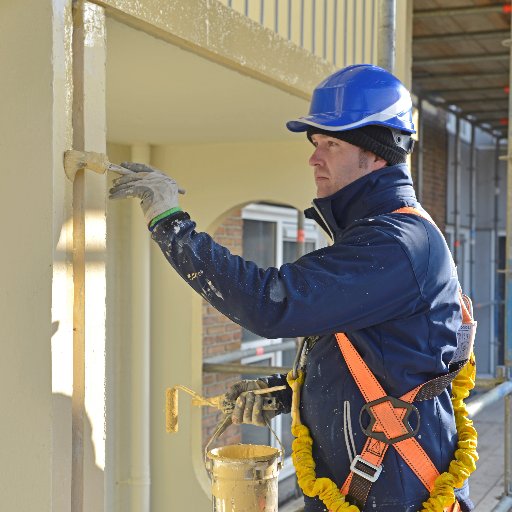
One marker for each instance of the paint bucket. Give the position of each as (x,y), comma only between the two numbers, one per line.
(244,476)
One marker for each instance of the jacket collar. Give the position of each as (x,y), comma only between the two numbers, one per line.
(376,193)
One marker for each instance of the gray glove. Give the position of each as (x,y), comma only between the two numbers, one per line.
(157,191)
(249,406)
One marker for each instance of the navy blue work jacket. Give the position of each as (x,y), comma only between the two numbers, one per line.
(388,282)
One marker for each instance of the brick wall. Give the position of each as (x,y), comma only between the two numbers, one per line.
(221,335)
(434,141)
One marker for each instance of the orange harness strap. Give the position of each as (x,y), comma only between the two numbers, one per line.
(389,416)
(387,419)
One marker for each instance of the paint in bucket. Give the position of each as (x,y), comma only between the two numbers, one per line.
(244,477)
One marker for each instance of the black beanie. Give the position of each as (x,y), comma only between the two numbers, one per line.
(377,139)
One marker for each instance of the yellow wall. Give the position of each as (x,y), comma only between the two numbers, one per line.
(33,134)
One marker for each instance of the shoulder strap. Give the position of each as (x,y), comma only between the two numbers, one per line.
(389,416)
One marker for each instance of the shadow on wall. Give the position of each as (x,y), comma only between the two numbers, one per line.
(93,475)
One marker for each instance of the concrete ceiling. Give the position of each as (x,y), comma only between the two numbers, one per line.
(158,93)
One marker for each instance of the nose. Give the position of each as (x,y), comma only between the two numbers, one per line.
(314,159)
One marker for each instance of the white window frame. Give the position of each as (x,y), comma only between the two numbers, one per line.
(465,264)
(285,219)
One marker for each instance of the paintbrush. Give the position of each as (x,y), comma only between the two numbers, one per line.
(96,162)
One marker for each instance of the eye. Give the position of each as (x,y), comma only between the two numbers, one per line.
(331,143)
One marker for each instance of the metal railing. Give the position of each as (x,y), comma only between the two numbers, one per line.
(342,32)
(503,390)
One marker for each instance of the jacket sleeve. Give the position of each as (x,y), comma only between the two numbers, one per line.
(365,279)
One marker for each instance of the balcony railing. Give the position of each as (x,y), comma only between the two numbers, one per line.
(342,32)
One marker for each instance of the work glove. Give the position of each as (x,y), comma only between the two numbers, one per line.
(157,191)
(248,406)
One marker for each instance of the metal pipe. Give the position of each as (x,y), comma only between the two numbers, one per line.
(495,307)
(508,240)
(134,486)
(472,207)
(387,35)
(487,383)
(419,177)
(507,445)
(257,351)
(504,505)
(247,369)
(476,405)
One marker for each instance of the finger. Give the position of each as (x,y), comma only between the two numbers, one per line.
(257,411)
(249,404)
(122,194)
(128,190)
(128,178)
(238,411)
(136,167)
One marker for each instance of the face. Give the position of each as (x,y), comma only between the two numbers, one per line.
(337,163)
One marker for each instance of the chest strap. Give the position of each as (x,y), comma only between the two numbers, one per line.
(389,416)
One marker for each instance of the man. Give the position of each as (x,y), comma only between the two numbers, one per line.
(387,281)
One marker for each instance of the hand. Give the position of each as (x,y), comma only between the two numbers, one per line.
(157,191)
(249,406)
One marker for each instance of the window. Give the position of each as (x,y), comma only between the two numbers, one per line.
(270,240)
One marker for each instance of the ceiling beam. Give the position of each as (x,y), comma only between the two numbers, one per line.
(458,36)
(461,59)
(465,89)
(462,76)
(461,11)
(463,115)
(476,113)
(499,124)
(479,100)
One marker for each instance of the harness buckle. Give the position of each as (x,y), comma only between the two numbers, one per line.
(397,404)
(367,466)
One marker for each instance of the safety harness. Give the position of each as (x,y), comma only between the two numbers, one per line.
(387,424)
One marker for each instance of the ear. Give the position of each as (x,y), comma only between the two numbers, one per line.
(378,162)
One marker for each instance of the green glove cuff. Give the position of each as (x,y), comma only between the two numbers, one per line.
(163,215)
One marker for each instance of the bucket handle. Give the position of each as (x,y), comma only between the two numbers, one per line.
(222,427)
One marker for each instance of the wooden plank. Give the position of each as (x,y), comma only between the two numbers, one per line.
(78,398)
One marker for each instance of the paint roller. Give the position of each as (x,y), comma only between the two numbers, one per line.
(92,161)
(218,402)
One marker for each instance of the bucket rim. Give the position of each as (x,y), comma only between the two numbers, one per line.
(273,453)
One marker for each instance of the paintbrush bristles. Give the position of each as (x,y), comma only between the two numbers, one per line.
(74,160)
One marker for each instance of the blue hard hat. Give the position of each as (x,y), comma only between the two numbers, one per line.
(357,96)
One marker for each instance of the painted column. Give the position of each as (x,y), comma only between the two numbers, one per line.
(131,435)
(90,495)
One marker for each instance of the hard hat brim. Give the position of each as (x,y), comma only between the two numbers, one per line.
(332,123)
